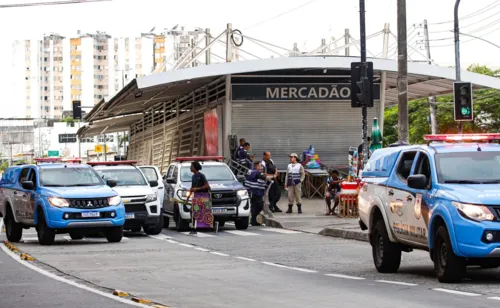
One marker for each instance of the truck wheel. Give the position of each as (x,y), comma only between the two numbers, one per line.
(242,223)
(448,267)
(386,255)
(181,225)
(156,229)
(46,235)
(114,234)
(75,236)
(13,229)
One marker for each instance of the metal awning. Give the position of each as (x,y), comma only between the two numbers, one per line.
(423,80)
(107,126)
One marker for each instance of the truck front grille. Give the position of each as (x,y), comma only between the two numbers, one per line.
(95,203)
(224,198)
(133,208)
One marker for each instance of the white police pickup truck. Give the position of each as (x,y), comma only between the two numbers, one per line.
(140,196)
(230,200)
(443,198)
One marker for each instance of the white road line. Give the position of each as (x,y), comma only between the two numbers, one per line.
(246,259)
(495,298)
(186,245)
(1,225)
(30,239)
(202,249)
(219,254)
(172,241)
(282,231)
(160,237)
(125,238)
(68,238)
(198,234)
(230,223)
(72,283)
(241,233)
(289,267)
(398,282)
(456,292)
(345,276)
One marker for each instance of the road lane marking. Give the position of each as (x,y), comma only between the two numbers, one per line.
(241,233)
(202,249)
(30,239)
(345,276)
(246,259)
(219,254)
(398,282)
(290,267)
(198,234)
(172,241)
(282,231)
(67,281)
(186,245)
(160,237)
(456,292)
(495,298)
(1,225)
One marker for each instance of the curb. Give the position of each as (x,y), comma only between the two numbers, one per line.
(269,222)
(346,234)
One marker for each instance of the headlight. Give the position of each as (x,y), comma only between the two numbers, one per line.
(58,202)
(243,193)
(151,198)
(475,212)
(114,201)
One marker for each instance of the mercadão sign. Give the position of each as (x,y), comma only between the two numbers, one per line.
(295,92)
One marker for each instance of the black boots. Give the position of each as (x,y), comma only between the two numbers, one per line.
(277,209)
(299,208)
(290,206)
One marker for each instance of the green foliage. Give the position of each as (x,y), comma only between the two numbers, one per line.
(3,166)
(486,113)
(69,121)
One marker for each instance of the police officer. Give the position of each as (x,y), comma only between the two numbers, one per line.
(274,192)
(256,185)
(239,148)
(244,158)
(294,177)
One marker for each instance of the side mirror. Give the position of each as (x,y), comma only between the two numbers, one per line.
(111,183)
(153,183)
(170,181)
(417,181)
(28,185)
(241,178)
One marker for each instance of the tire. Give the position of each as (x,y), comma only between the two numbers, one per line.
(449,268)
(242,223)
(181,225)
(75,236)
(114,234)
(46,235)
(156,229)
(386,255)
(13,229)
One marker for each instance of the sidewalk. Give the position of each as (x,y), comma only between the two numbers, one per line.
(313,220)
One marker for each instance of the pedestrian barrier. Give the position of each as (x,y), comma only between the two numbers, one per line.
(348,207)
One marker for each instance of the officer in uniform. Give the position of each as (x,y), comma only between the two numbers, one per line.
(243,156)
(294,177)
(256,185)
(274,192)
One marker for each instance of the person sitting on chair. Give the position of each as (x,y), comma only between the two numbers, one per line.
(332,192)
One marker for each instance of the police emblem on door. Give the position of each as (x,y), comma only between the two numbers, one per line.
(418,206)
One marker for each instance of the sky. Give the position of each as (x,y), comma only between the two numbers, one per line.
(261,19)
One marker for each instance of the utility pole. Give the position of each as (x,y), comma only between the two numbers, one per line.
(457,52)
(402,74)
(431,99)
(346,41)
(364,79)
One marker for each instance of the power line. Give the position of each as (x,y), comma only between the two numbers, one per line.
(470,32)
(478,12)
(6,6)
(281,14)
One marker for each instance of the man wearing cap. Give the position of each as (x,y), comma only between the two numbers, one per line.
(256,184)
(293,183)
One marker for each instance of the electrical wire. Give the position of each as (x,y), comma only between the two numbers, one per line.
(280,14)
(6,6)
(469,32)
(478,12)
(466,41)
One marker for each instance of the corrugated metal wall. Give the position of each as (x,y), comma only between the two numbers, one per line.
(286,127)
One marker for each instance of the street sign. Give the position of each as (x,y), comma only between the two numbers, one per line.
(462,97)
(53,153)
(99,148)
(361,90)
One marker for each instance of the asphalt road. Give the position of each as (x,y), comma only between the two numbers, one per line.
(261,266)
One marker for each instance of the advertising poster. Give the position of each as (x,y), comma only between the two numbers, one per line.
(211,133)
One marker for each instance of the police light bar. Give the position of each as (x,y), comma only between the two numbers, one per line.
(199,158)
(464,137)
(57,160)
(112,163)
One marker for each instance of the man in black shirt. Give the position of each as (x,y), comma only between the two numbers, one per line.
(274,191)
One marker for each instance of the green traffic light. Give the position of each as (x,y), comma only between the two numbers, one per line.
(465,111)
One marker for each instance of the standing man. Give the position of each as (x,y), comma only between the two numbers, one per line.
(256,184)
(244,157)
(274,192)
(238,148)
(295,175)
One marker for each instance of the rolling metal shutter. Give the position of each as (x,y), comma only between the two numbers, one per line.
(287,127)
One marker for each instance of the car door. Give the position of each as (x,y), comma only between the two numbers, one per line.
(417,213)
(30,203)
(169,190)
(399,198)
(21,196)
(153,174)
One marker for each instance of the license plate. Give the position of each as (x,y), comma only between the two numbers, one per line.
(90,214)
(219,211)
(130,216)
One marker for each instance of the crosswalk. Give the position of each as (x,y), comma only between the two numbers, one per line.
(244,233)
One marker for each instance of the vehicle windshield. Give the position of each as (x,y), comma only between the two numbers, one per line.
(468,168)
(64,177)
(123,177)
(212,173)
(150,173)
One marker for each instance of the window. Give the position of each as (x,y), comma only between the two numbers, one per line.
(405,164)
(212,173)
(74,176)
(423,167)
(175,173)
(150,174)
(67,138)
(123,177)
(24,175)
(479,166)
(32,176)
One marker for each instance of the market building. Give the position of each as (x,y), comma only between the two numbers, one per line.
(282,105)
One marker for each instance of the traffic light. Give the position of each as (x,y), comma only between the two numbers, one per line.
(361,91)
(462,96)
(77,110)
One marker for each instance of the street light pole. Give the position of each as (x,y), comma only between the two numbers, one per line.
(364,76)
(402,74)
(457,52)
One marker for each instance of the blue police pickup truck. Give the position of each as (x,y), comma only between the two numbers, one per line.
(443,197)
(57,198)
